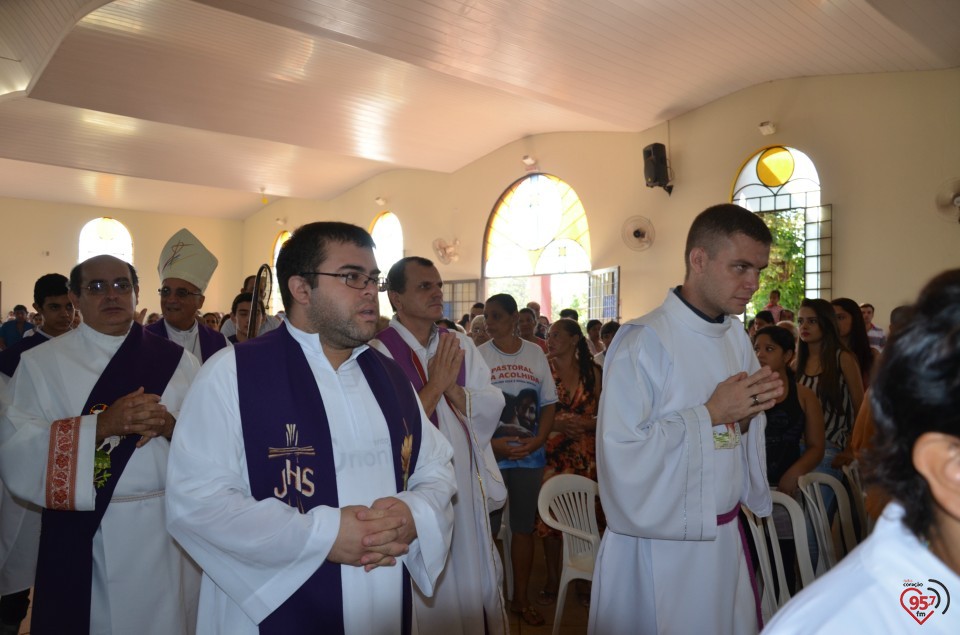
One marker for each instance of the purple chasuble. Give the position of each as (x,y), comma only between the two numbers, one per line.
(405,358)
(61,599)
(10,356)
(210,341)
(286,431)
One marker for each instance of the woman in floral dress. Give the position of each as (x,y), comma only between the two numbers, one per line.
(571,446)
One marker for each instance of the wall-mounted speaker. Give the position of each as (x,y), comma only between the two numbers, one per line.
(655,166)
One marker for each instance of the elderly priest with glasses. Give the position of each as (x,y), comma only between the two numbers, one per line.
(85,435)
(185,269)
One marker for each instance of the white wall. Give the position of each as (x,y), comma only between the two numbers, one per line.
(883,145)
(33,229)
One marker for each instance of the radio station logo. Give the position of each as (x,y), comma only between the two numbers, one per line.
(923,600)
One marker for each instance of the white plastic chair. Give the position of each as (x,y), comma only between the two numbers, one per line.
(772,568)
(810,485)
(567,503)
(852,472)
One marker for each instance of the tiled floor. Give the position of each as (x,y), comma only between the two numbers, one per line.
(574,615)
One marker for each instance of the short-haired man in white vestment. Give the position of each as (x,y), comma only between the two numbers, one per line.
(680,445)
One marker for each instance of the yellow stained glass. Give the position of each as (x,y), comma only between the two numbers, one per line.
(530,216)
(775,166)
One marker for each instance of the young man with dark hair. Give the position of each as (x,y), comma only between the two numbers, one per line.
(20,522)
(874,333)
(680,444)
(12,331)
(269,322)
(242,312)
(50,299)
(304,470)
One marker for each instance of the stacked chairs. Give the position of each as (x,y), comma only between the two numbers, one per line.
(766,541)
(810,485)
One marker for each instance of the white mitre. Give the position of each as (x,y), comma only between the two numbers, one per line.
(185,257)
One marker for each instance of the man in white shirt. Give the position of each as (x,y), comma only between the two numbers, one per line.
(680,445)
(185,269)
(85,436)
(875,334)
(453,383)
(305,478)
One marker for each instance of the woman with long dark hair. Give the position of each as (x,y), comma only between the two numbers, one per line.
(831,371)
(520,369)
(572,445)
(853,334)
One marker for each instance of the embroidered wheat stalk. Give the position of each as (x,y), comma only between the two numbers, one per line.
(406,450)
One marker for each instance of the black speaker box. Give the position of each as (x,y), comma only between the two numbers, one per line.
(655,165)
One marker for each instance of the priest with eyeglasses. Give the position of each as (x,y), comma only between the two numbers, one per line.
(185,269)
(85,435)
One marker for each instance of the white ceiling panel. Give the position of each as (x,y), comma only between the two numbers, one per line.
(307,98)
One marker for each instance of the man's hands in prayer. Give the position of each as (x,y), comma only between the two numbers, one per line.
(374,536)
(136,413)
(742,396)
(442,370)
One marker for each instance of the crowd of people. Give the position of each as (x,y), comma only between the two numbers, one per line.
(256,473)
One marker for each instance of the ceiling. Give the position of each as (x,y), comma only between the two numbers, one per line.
(193,106)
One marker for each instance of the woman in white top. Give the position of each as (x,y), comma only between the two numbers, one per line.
(520,369)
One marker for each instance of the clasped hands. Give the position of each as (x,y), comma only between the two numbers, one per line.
(136,413)
(741,397)
(374,536)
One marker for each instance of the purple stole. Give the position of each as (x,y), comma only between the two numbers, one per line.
(10,357)
(210,341)
(407,360)
(285,429)
(61,600)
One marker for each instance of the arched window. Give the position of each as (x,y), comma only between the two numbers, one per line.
(276,301)
(388,236)
(105,236)
(537,246)
(782,185)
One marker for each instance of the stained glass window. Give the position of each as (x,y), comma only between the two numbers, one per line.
(276,301)
(538,227)
(538,245)
(782,185)
(388,236)
(105,236)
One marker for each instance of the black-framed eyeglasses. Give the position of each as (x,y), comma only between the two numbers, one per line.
(102,287)
(180,293)
(353,279)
